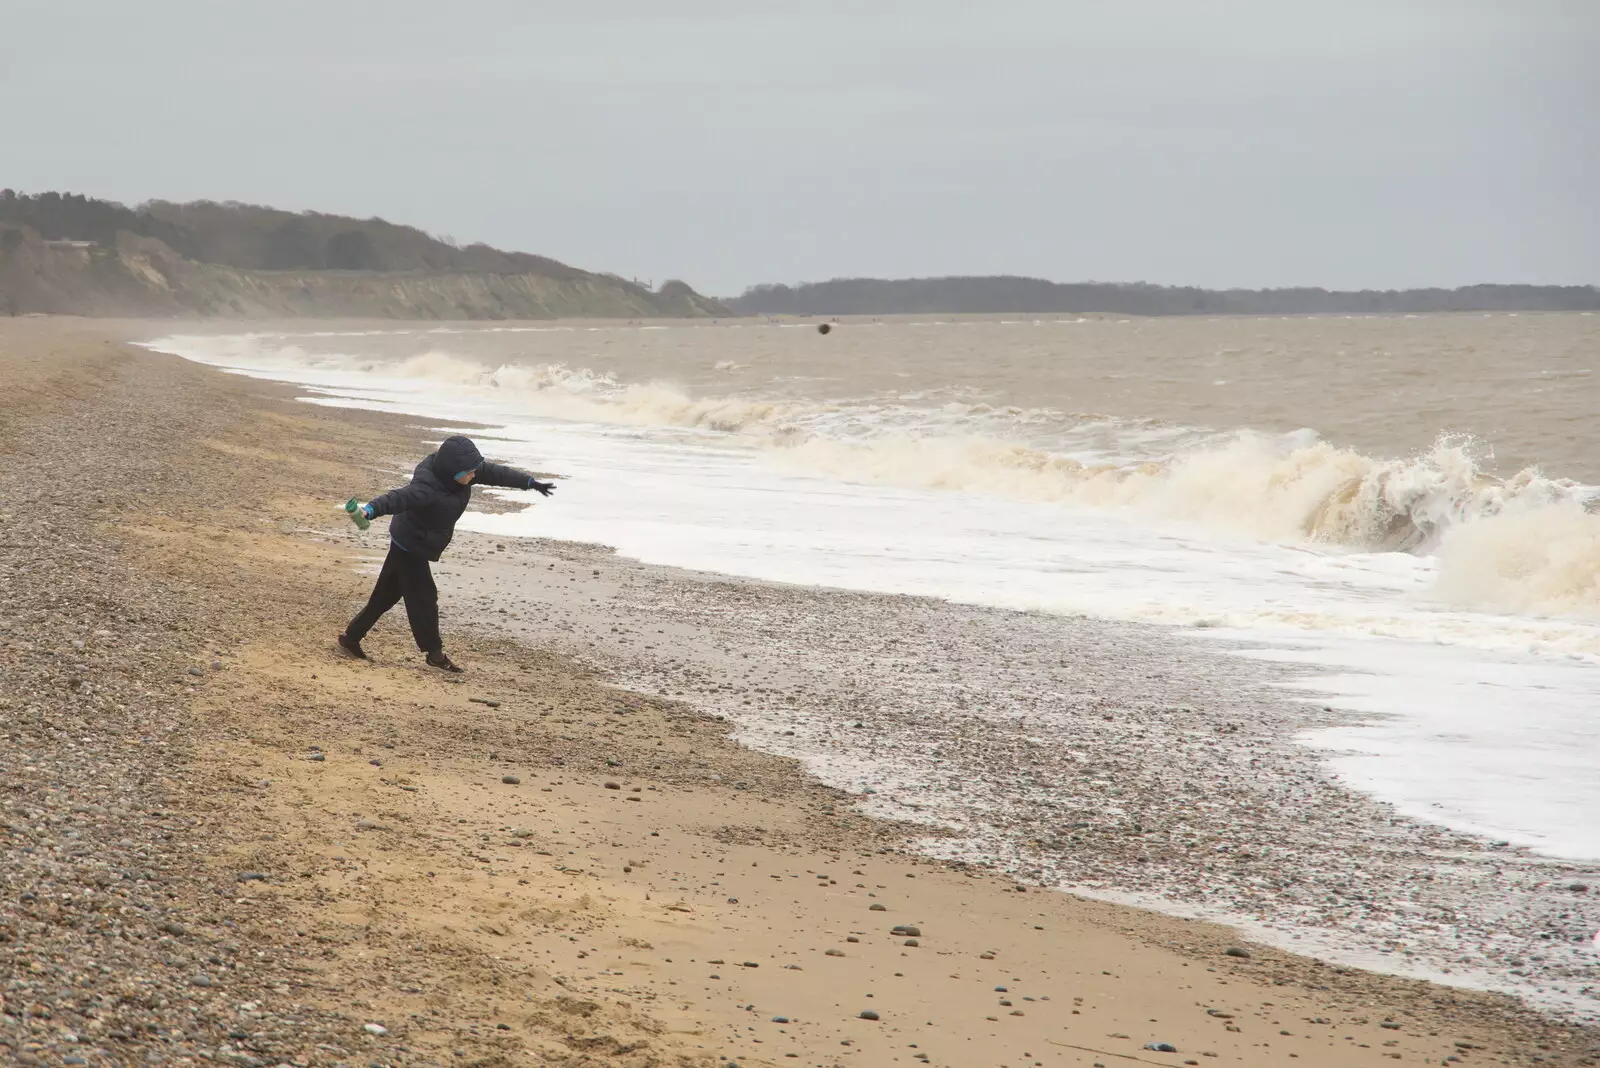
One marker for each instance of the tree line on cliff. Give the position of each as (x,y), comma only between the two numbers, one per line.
(1004,294)
(258,238)
(252,237)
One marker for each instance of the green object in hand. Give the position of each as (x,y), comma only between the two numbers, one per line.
(358,513)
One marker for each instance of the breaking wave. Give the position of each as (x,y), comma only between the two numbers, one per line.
(1526,544)
(1279,487)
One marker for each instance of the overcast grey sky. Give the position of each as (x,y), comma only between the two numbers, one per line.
(1345,143)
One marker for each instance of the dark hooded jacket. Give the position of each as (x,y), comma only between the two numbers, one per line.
(425,512)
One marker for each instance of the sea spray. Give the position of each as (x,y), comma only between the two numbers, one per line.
(1521,544)
(1530,561)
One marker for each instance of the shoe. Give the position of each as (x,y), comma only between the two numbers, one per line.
(444,663)
(352,647)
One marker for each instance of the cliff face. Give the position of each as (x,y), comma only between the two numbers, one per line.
(143,277)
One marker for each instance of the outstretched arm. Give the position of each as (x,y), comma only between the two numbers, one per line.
(397,500)
(510,478)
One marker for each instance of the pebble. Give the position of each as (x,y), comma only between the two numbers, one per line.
(1161,1047)
(1180,765)
(317,756)
(907,929)
(484,701)
(1235,951)
(511,780)
(111,749)
(878,908)
(867,1014)
(1129,741)
(613,786)
(375,1029)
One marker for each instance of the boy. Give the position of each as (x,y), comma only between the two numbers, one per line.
(425,514)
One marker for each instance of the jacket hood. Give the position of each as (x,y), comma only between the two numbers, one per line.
(456,454)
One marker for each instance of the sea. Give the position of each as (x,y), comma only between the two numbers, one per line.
(1404,509)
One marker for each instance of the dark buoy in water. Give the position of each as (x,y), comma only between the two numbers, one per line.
(823,328)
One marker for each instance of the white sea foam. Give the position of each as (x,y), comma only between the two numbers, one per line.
(1525,544)
(1443,592)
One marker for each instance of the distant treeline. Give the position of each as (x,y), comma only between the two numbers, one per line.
(258,238)
(1029,296)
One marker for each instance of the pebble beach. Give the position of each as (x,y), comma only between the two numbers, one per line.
(667,818)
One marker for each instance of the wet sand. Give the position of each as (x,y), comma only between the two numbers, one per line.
(245,849)
(1120,760)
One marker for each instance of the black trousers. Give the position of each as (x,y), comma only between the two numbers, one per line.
(404,575)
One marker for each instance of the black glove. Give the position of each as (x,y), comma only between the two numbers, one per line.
(545,488)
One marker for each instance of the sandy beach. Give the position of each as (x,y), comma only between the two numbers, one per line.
(225,844)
